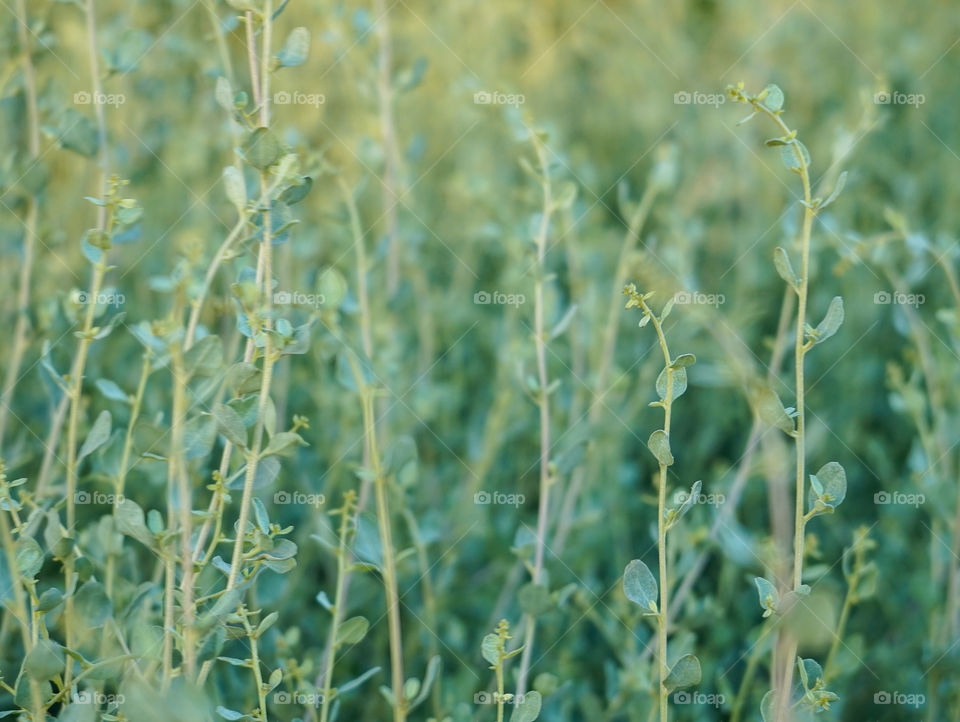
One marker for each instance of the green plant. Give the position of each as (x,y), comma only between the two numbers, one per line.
(828,487)
(639,584)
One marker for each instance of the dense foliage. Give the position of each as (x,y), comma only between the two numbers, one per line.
(324,395)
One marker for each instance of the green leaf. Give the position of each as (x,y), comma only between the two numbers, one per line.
(769,597)
(78,133)
(296,48)
(129,519)
(490,648)
(770,408)
(429,677)
(110,389)
(261,149)
(781,262)
(284,444)
(684,360)
(640,587)
(260,514)
(98,435)
(768,706)
(352,630)
(354,683)
(205,357)
(29,556)
(659,445)
(828,488)
(332,286)
(92,605)
(528,709)
(788,154)
(45,661)
(831,322)
(685,673)
(235,187)
(772,97)
(224,94)
(534,599)
(679,383)
(230,425)
(837,189)
(673,515)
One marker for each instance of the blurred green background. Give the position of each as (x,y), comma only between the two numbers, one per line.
(631,95)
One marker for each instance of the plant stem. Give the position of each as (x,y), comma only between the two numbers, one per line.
(389,136)
(800,350)
(389,561)
(18,344)
(664,615)
(540,342)
(346,525)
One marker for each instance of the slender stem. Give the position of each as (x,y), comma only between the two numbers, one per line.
(389,137)
(800,349)
(255,662)
(178,476)
(346,526)
(543,401)
(19,602)
(389,560)
(608,352)
(664,616)
(18,344)
(121,481)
